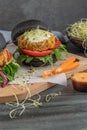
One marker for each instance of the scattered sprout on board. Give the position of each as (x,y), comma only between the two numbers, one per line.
(18,108)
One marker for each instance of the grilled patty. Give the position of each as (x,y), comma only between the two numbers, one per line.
(36,40)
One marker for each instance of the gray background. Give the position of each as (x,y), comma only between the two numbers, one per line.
(57,13)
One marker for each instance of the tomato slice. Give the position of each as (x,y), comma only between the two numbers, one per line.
(9,55)
(41,53)
(57,43)
(36,53)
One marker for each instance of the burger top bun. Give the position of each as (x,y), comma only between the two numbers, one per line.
(21,27)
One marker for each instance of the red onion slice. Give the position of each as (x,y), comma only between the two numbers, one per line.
(5,80)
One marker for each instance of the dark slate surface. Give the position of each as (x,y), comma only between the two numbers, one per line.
(65,112)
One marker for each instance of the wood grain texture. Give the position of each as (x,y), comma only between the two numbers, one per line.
(7,94)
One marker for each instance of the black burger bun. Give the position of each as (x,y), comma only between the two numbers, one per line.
(21,27)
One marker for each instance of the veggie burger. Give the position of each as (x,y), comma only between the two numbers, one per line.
(8,67)
(38,47)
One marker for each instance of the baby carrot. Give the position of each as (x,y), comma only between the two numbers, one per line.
(63,66)
(71,67)
(68,65)
(68,62)
(46,74)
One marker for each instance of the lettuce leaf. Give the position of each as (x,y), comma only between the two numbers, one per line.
(58,53)
(1,80)
(10,69)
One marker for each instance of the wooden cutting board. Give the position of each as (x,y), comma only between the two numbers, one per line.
(7,94)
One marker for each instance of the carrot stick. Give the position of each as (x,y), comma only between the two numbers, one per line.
(69,65)
(68,62)
(64,65)
(68,68)
(46,74)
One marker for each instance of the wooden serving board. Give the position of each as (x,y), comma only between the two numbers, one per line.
(7,94)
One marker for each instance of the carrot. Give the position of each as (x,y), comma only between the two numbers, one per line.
(68,62)
(73,66)
(68,68)
(68,65)
(65,65)
(46,74)
(57,70)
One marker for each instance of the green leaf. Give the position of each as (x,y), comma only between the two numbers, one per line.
(10,70)
(58,53)
(1,80)
(46,59)
(15,67)
(6,70)
(28,59)
(23,58)
(10,77)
